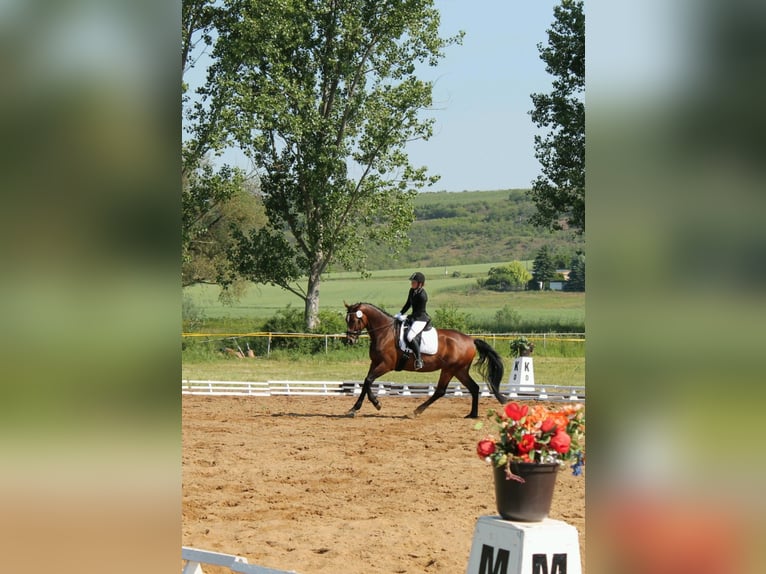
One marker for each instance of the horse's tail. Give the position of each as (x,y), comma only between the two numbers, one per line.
(492,367)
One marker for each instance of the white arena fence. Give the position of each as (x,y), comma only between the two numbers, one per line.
(194,558)
(382,388)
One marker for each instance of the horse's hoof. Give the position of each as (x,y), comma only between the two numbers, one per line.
(351,414)
(416,413)
(377,406)
(472,416)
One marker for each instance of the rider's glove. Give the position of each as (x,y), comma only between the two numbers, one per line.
(399,317)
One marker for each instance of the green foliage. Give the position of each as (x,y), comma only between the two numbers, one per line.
(450,317)
(323,97)
(507,320)
(560,191)
(216,204)
(576,280)
(521,346)
(192,316)
(511,277)
(470,227)
(543,268)
(290,320)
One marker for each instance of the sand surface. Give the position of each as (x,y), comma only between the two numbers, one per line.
(292,484)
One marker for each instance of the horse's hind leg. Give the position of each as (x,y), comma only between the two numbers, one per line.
(441,389)
(473,388)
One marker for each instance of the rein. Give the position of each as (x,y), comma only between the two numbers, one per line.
(370,331)
(367,327)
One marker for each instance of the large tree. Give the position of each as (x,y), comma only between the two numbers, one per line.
(215,199)
(543,268)
(322,96)
(576,281)
(559,193)
(216,204)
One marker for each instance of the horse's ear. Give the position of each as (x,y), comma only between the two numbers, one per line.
(346,304)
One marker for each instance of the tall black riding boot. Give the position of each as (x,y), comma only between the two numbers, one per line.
(415,346)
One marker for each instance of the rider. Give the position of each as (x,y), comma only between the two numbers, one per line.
(417,299)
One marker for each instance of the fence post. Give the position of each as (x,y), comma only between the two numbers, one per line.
(268,347)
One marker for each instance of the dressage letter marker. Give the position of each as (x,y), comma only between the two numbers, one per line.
(506,547)
(522,373)
(521,382)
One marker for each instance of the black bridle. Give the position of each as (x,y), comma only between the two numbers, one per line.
(352,335)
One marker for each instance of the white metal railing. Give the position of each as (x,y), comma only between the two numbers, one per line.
(194,558)
(382,388)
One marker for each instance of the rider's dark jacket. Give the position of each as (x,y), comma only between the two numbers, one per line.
(417,299)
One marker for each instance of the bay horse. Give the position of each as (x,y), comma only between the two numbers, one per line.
(456,352)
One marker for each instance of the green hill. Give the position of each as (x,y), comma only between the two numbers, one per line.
(473,227)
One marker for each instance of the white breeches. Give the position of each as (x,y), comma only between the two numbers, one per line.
(415,328)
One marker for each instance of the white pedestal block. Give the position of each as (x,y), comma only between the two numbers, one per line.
(523,373)
(505,547)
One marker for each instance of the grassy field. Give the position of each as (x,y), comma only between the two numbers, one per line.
(454,286)
(558,363)
(547,370)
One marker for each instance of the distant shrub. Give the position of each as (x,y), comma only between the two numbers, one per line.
(290,320)
(507,320)
(511,277)
(191,315)
(449,317)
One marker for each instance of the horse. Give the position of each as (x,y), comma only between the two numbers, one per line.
(456,352)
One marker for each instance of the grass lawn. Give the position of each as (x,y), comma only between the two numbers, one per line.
(548,370)
(388,290)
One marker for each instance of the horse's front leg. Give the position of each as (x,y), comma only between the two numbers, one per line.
(372,374)
(371,395)
(359,401)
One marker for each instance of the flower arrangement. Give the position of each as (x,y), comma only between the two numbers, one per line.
(534,435)
(521,346)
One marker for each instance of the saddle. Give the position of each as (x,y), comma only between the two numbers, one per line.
(429,337)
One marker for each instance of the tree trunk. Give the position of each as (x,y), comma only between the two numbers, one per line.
(311,313)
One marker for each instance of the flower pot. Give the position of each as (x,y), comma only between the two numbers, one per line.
(528,501)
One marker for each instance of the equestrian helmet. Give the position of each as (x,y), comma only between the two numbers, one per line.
(418,276)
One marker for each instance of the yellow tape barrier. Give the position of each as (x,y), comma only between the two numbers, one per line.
(337,335)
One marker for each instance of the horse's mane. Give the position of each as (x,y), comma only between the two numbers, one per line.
(374,307)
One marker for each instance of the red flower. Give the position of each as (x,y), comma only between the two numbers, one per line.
(560,442)
(549,425)
(485,448)
(515,411)
(526,444)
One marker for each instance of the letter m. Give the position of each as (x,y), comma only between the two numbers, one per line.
(540,564)
(487,564)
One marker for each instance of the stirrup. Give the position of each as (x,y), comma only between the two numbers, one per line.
(418,364)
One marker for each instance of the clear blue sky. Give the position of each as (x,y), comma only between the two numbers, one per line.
(483,136)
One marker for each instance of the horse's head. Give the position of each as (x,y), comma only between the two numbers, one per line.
(356,322)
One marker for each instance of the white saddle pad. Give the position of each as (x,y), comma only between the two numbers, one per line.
(429,341)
